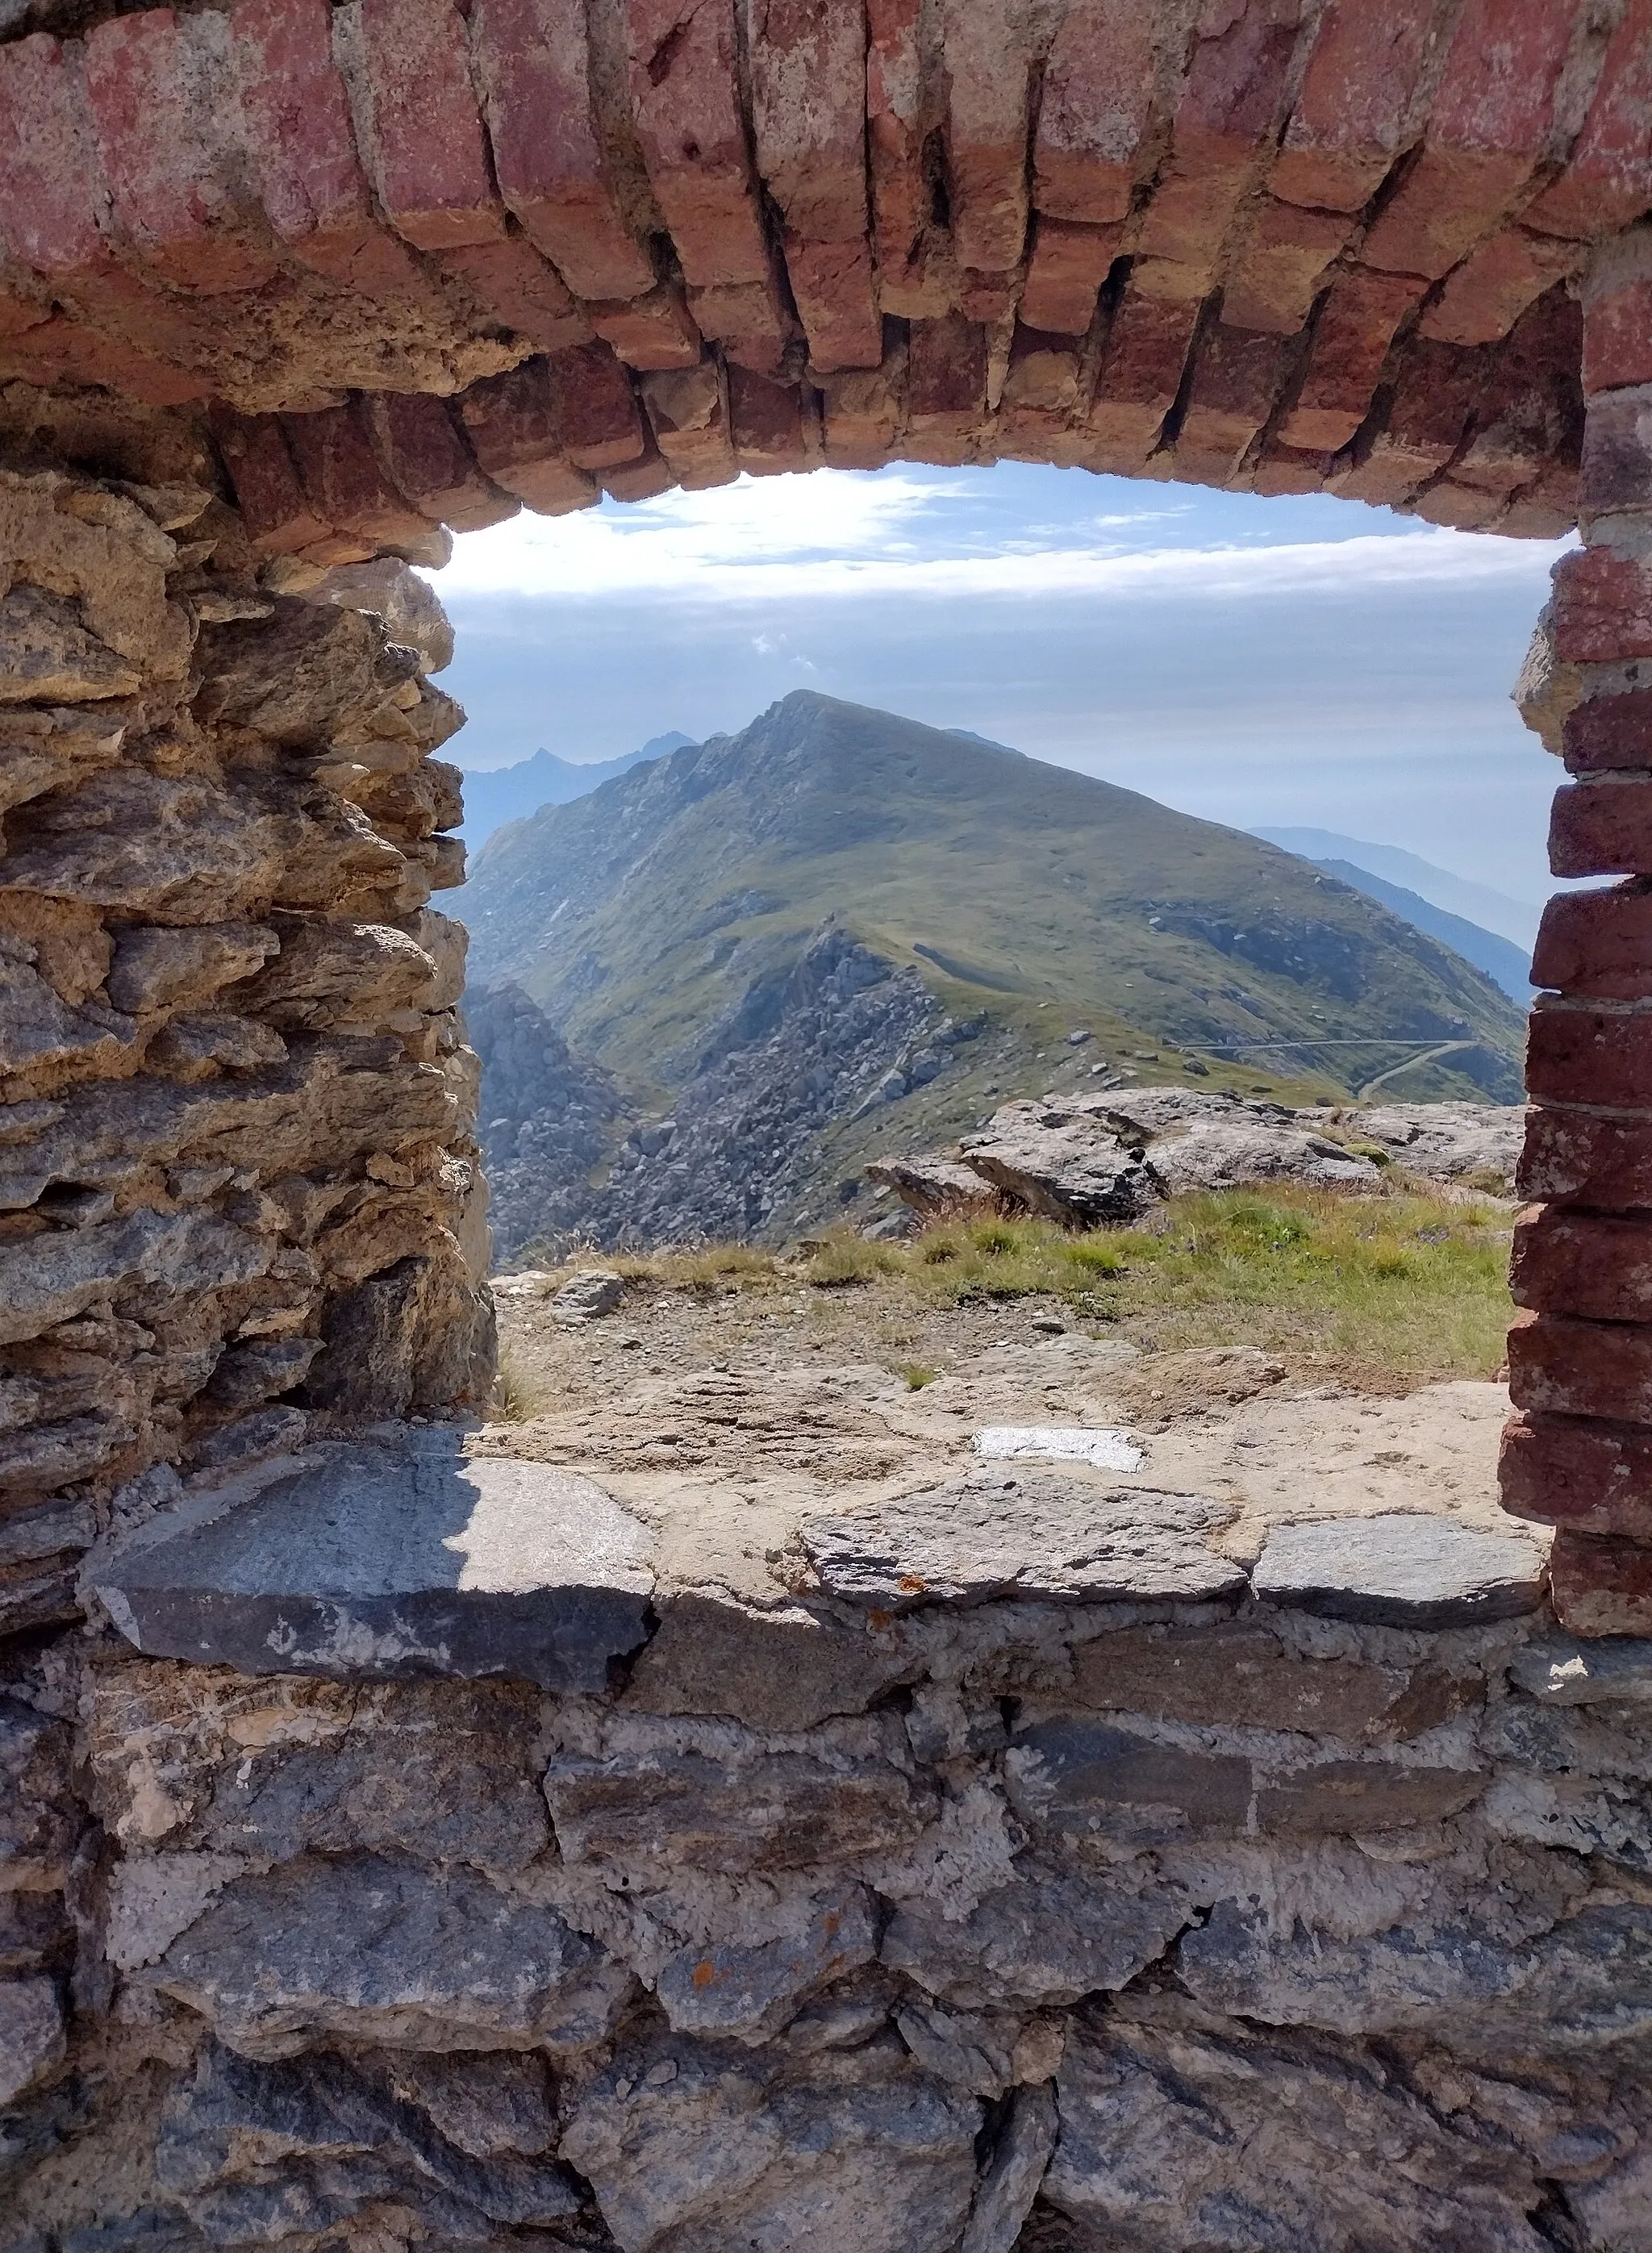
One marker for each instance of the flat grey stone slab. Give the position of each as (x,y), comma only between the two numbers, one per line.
(1042,1535)
(1397,1570)
(362,1561)
(1564,1670)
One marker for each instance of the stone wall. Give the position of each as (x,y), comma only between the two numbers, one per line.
(238,1193)
(1275,1920)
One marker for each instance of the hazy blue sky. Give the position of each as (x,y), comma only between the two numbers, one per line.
(1309,661)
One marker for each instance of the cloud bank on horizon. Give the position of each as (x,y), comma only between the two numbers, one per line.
(1256,661)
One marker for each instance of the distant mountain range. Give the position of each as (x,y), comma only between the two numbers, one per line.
(496,795)
(1508,965)
(840,934)
(1514,920)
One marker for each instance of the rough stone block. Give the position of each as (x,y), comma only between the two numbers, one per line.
(1068,267)
(1574,1470)
(424,458)
(417,121)
(1086,1780)
(1355,110)
(1603,1585)
(1040,1535)
(748,319)
(808,116)
(1093,112)
(362,1561)
(689,413)
(1350,343)
(48,174)
(343,481)
(33,2038)
(901,106)
(1603,606)
(1396,1570)
(534,61)
(39,1819)
(1579,1054)
(511,424)
(686,101)
(1047,1937)
(1564,1367)
(747,1992)
(1609,731)
(784,1670)
(1147,350)
(367,1950)
(986,65)
(1361,1795)
(1562,1671)
(1586,1159)
(1586,1264)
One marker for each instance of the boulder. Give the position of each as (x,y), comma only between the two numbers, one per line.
(1064,1163)
(936,1186)
(586,1297)
(1445,1141)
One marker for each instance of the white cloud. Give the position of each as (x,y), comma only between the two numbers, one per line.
(832,535)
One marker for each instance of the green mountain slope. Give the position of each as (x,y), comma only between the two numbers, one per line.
(651,918)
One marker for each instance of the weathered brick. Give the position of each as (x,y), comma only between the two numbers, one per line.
(343,480)
(832,287)
(1041,392)
(1228,107)
(1602,827)
(1599,1585)
(1282,267)
(764,424)
(418,121)
(1350,342)
(1530,516)
(685,97)
(808,113)
(645,478)
(1094,111)
(1141,373)
(655,331)
(860,416)
(511,422)
(1287,470)
(1068,267)
(1617,304)
(987,63)
(1488,126)
(748,318)
(1597,944)
(1577,1471)
(1357,107)
(1604,732)
(987,298)
(534,64)
(1466,508)
(424,457)
(1595,1266)
(1236,380)
(50,174)
(690,418)
(1616,469)
(278,515)
(1489,292)
(899,109)
(1606,180)
(1560,1366)
(159,88)
(598,421)
(515,285)
(1602,606)
(1526,411)
(1590,1055)
(1586,1159)
(946,377)
(62,351)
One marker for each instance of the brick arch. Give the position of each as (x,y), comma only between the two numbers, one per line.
(392,266)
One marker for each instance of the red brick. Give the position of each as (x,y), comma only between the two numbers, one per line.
(1602,606)
(1597,945)
(644,479)
(656,331)
(423,143)
(534,63)
(1489,292)
(62,351)
(1236,380)
(513,284)
(1282,267)
(511,422)
(808,113)
(987,298)
(1599,1586)
(1041,394)
(1617,324)
(1616,471)
(1560,1366)
(898,112)
(598,421)
(748,318)
(424,457)
(50,176)
(685,97)
(1288,469)
(861,416)
(1584,1158)
(1147,351)
(1577,1471)
(946,377)
(1489,125)
(1527,410)
(162,109)
(1607,732)
(764,424)
(987,65)
(1606,181)
(1531,517)
(1357,107)
(1465,508)
(1069,265)
(1436,389)
(1389,475)
(343,480)
(1602,827)
(690,418)
(1350,342)
(1094,111)
(1188,220)
(1590,1055)
(279,517)
(1589,1265)
(833,289)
